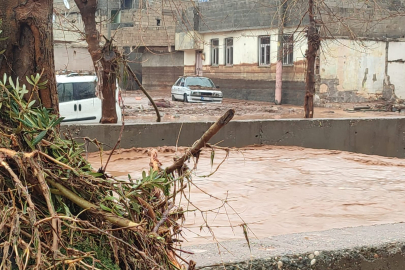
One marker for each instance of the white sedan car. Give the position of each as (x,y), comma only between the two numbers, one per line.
(195,89)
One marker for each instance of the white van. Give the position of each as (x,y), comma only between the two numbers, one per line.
(78,100)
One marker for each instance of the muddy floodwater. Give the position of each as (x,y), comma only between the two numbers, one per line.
(281,190)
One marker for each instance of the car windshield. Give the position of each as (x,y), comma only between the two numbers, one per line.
(198,81)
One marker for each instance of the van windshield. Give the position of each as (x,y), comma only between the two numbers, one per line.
(199,82)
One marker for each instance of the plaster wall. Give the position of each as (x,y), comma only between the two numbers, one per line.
(396,68)
(356,67)
(74,59)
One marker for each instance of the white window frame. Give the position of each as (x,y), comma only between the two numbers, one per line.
(264,51)
(229,51)
(288,50)
(214,52)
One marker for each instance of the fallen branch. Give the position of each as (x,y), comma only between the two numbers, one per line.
(220,123)
(144,91)
(118,221)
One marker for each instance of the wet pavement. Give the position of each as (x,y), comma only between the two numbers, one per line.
(138,109)
(281,190)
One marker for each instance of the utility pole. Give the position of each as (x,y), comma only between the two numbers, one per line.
(280,48)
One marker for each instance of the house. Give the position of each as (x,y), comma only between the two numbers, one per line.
(144,30)
(235,43)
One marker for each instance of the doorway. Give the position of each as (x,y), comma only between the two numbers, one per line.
(198,63)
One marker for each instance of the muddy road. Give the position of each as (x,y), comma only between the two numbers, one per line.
(137,109)
(281,190)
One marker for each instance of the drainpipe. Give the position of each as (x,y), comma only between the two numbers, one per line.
(279,66)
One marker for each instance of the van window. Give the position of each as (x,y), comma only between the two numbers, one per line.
(84,90)
(65,92)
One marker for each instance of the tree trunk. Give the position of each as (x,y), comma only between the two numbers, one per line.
(280,49)
(313,46)
(29,45)
(104,60)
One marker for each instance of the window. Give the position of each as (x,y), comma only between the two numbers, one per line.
(229,51)
(199,81)
(264,51)
(288,50)
(157,22)
(115,16)
(214,52)
(84,90)
(181,82)
(126,4)
(178,82)
(65,92)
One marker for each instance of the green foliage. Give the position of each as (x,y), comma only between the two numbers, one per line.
(31,132)
(102,252)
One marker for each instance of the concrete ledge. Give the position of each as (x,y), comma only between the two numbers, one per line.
(370,248)
(375,136)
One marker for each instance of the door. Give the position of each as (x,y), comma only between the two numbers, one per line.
(178,89)
(88,105)
(198,64)
(67,104)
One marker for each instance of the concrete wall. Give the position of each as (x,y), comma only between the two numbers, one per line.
(74,59)
(161,69)
(374,136)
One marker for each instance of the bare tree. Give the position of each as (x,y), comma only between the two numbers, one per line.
(280,49)
(104,60)
(313,46)
(29,45)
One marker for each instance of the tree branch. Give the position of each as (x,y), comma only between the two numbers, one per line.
(144,91)
(220,123)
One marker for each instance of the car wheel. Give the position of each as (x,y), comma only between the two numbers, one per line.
(185,98)
(173,99)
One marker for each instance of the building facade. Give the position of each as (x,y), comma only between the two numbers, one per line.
(235,43)
(143,30)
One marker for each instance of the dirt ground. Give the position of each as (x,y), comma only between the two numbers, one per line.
(137,109)
(280,190)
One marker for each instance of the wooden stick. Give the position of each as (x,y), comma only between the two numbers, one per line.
(144,91)
(220,123)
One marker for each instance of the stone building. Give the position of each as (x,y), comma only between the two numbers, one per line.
(235,43)
(144,30)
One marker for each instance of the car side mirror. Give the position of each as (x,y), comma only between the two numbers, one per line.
(182,84)
(217,86)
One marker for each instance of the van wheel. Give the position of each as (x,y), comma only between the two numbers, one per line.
(173,99)
(185,98)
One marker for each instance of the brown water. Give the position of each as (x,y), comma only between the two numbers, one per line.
(280,190)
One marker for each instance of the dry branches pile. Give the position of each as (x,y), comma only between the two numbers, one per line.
(56,213)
